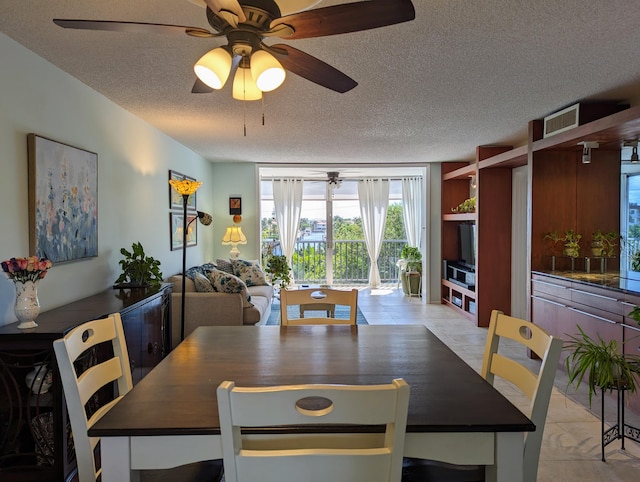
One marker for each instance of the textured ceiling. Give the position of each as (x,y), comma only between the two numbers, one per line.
(463,73)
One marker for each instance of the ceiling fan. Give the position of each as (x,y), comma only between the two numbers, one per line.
(261,67)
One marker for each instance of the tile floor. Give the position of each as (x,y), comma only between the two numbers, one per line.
(571,444)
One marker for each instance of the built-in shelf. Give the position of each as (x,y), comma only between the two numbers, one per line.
(608,131)
(459,217)
(513,158)
(461,173)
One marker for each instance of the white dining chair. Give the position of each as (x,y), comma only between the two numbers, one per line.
(537,387)
(321,444)
(93,362)
(318,299)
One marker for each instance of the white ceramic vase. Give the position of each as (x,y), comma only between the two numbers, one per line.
(27,307)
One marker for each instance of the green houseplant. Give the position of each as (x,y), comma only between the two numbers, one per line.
(572,243)
(138,269)
(278,269)
(553,239)
(601,364)
(412,264)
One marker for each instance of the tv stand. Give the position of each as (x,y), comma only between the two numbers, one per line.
(460,274)
(458,287)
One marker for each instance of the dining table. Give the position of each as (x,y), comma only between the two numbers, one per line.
(170,417)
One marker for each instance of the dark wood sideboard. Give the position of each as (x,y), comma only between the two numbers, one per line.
(35,438)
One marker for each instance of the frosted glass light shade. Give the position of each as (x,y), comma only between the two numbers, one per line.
(244,88)
(214,67)
(267,71)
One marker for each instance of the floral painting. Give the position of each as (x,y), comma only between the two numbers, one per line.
(63,201)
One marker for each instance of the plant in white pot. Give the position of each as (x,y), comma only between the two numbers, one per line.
(412,264)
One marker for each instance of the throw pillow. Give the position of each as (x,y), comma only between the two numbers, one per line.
(225,265)
(203,285)
(228,283)
(203,269)
(249,271)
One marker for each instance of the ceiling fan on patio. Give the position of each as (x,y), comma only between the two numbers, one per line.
(246,23)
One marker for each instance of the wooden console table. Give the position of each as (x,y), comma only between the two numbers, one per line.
(35,441)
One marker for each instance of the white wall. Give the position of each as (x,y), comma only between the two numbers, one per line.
(230,179)
(133,163)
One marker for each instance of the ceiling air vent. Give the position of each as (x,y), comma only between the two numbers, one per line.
(578,114)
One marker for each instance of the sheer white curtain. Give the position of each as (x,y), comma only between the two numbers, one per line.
(287,200)
(374,202)
(412,209)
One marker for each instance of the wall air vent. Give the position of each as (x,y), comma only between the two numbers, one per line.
(561,121)
(578,114)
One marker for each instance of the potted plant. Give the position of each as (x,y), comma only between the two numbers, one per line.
(571,243)
(610,241)
(553,239)
(412,264)
(278,269)
(601,364)
(138,270)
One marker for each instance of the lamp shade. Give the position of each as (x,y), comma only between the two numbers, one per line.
(244,88)
(234,235)
(214,67)
(267,71)
(185,186)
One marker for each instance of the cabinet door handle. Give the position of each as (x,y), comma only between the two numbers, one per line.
(549,301)
(592,316)
(593,294)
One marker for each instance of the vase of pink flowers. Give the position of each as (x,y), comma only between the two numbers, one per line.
(25,274)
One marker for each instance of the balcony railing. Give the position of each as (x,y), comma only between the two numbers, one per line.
(350,262)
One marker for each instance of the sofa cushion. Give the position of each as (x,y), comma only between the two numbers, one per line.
(203,269)
(225,265)
(249,271)
(227,283)
(203,285)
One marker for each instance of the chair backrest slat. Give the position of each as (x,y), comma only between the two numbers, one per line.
(368,457)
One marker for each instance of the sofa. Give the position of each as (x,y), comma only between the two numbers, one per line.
(214,308)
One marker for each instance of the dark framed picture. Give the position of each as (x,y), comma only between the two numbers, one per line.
(235,205)
(175,199)
(63,200)
(176,228)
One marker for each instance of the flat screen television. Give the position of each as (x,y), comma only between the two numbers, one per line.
(467,238)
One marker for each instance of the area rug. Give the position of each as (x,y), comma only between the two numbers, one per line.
(341,312)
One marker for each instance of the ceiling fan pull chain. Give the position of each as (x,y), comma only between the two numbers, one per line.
(244,100)
(262,110)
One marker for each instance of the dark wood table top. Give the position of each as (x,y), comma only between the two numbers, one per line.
(179,395)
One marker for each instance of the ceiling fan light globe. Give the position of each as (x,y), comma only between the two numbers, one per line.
(213,68)
(267,71)
(244,88)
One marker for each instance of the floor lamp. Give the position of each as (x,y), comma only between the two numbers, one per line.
(186,188)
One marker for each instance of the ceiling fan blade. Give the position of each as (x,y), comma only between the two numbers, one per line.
(350,17)
(232,6)
(200,87)
(113,26)
(311,68)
